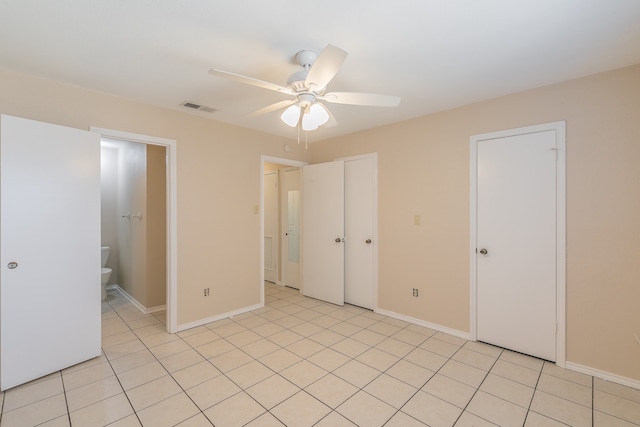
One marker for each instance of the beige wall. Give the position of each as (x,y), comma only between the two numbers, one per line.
(424,169)
(218,240)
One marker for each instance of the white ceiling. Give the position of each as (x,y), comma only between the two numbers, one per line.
(435,54)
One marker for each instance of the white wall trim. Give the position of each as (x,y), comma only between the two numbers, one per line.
(280,161)
(607,376)
(217,317)
(560,128)
(172,211)
(135,302)
(439,328)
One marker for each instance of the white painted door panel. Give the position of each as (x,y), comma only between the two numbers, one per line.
(323,231)
(359,208)
(516,217)
(50,226)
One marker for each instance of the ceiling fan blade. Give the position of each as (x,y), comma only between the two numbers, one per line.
(332,120)
(273,107)
(250,81)
(325,68)
(356,98)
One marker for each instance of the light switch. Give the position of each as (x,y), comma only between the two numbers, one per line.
(417,219)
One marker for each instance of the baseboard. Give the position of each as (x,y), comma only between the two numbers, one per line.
(228,314)
(439,328)
(607,376)
(133,301)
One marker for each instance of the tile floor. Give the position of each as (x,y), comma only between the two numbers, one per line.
(302,362)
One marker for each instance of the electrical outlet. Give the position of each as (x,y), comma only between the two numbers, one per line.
(206,292)
(415,292)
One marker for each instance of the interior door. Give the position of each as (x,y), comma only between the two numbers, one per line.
(359,222)
(271,226)
(291,205)
(323,231)
(516,235)
(50,249)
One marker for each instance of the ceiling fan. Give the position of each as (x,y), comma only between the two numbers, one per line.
(308,87)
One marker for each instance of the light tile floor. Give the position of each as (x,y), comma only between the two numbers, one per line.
(302,362)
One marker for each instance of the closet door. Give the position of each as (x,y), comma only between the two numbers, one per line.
(359,232)
(323,231)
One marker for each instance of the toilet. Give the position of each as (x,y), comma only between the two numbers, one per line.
(106,272)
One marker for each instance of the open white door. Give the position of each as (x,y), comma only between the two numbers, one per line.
(50,249)
(323,231)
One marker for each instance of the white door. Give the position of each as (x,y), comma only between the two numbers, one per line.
(50,249)
(291,223)
(323,231)
(516,226)
(359,222)
(271,226)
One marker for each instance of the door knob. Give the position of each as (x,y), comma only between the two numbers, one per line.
(12,265)
(368,241)
(338,240)
(483,251)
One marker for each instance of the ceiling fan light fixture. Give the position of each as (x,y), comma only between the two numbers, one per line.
(291,115)
(317,116)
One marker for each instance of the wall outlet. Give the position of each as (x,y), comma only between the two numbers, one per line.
(415,292)
(206,292)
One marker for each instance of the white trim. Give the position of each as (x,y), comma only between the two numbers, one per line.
(172,211)
(374,159)
(560,129)
(135,302)
(439,328)
(607,376)
(280,161)
(217,317)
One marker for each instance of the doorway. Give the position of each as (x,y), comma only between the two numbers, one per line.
(282,254)
(518,239)
(171,209)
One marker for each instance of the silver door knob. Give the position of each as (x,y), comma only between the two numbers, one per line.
(483,251)
(12,265)
(338,240)
(368,241)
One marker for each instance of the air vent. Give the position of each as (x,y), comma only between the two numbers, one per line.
(198,107)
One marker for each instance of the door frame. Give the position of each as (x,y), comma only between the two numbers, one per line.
(280,161)
(172,223)
(374,160)
(560,129)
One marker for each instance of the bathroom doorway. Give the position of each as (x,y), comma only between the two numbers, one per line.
(138,194)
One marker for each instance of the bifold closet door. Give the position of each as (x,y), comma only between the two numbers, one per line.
(49,248)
